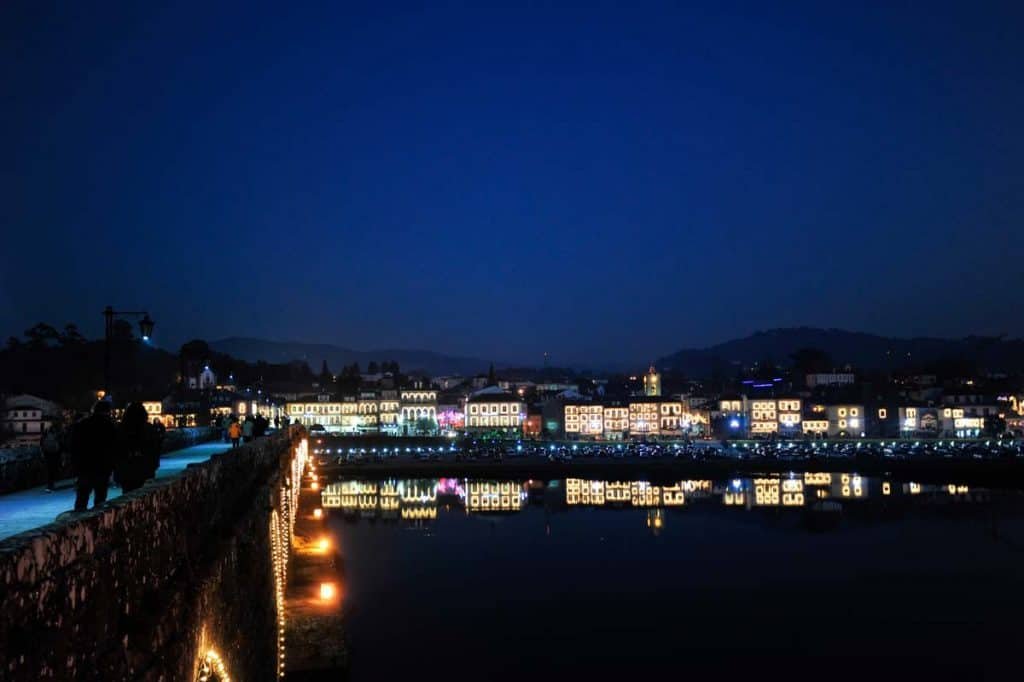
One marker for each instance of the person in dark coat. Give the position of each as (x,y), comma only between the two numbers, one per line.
(94,443)
(138,440)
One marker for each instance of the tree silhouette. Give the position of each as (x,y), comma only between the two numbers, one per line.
(41,335)
(71,336)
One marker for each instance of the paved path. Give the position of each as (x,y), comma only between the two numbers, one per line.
(31,508)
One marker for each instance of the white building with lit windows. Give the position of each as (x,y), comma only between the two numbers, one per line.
(768,416)
(416,404)
(26,417)
(495,411)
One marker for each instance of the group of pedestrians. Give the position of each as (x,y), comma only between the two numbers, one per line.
(100,448)
(243,431)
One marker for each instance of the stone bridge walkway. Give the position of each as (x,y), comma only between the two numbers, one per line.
(34,507)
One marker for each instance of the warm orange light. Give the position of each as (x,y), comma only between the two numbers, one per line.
(313,476)
(324,544)
(315,485)
(318,513)
(328,591)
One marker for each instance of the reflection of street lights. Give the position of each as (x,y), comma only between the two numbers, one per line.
(145,328)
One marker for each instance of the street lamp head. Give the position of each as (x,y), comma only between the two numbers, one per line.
(146,327)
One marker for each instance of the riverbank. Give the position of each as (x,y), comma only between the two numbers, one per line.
(991,473)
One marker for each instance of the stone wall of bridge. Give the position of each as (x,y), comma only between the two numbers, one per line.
(142,587)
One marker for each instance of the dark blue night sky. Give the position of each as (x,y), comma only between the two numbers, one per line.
(602,182)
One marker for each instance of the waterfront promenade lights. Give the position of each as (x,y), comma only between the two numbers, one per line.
(109,315)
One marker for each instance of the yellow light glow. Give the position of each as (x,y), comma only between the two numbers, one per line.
(318,513)
(315,486)
(212,667)
(324,544)
(328,591)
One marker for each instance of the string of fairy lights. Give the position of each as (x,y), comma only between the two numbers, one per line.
(282,526)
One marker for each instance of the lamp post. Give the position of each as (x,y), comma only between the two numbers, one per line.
(109,314)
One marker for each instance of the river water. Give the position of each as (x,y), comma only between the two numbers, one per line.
(808,576)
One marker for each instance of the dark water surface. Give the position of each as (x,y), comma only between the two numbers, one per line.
(737,579)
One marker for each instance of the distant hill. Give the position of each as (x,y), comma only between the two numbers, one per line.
(863,351)
(254,350)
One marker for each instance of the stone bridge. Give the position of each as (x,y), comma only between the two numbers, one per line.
(175,581)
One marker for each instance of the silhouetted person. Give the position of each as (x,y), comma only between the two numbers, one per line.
(260,429)
(93,455)
(52,445)
(139,448)
(248,428)
(159,432)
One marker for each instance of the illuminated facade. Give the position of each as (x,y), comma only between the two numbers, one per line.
(644,419)
(495,412)
(846,421)
(640,418)
(774,416)
(586,420)
(835,421)
(155,413)
(388,410)
(417,404)
(616,421)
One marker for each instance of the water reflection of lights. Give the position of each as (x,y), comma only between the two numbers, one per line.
(655,520)
(212,668)
(484,496)
(817,478)
(637,493)
(419,514)
(734,499)
(418,500)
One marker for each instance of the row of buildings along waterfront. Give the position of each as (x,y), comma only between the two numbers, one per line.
(536,404)
(417,410)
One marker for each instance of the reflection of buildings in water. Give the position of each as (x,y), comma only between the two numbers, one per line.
(616,492)
(850,486)
(655,520)
(409,499)
(734,498)
(776,492)
(494,496)
(421,491)
(417,500)
(635,493)
(419,513)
